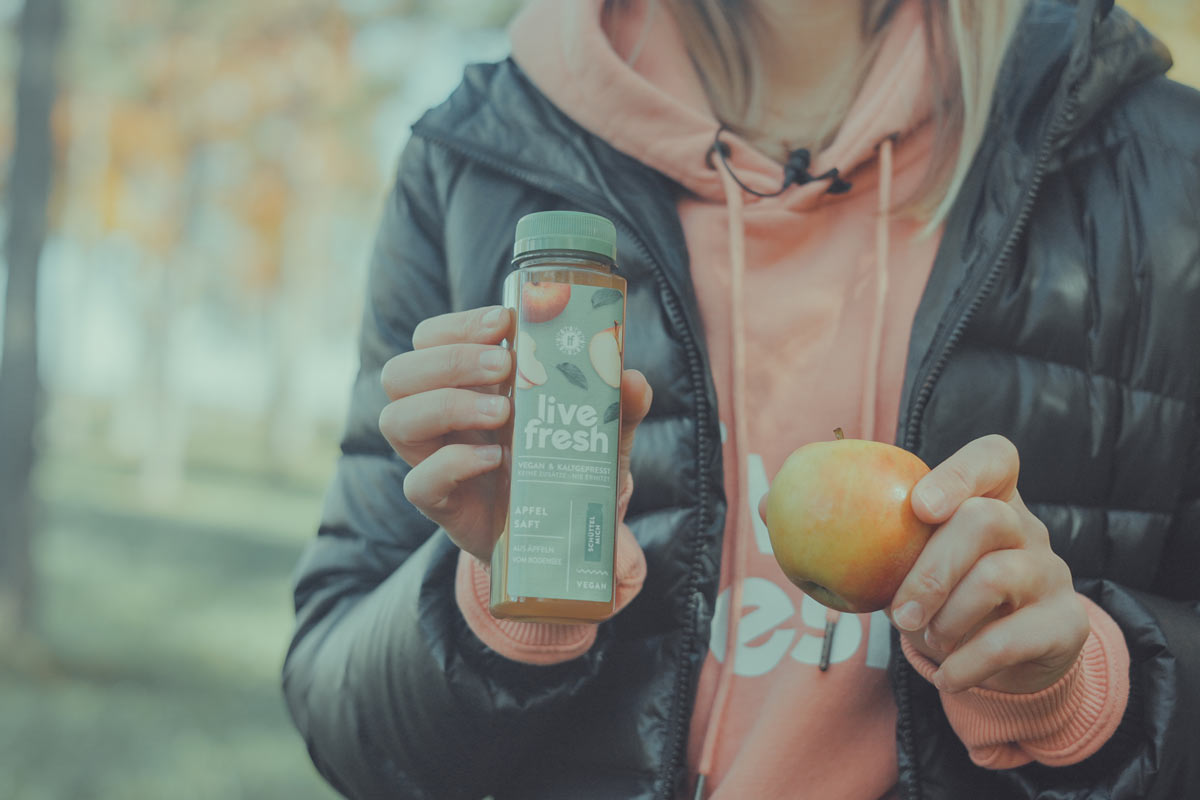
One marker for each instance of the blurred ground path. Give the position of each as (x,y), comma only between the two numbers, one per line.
(165,629)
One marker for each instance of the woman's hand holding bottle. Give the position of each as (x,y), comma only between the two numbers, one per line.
(445,413)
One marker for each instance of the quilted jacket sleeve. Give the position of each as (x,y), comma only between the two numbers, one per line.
(1160,736)
(393,694)
(1152,754)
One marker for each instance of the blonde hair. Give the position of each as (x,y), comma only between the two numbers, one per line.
(967,40)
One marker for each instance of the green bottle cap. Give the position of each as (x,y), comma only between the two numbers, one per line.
(566,230)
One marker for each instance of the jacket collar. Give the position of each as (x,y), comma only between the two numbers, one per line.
(1099,49)
(1065,66)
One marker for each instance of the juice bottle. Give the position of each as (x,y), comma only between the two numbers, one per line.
(554,560)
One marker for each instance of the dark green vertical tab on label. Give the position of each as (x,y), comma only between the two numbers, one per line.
(594,544)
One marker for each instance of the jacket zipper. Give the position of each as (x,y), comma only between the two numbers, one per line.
(965,313)
(680,715)
(977,297)
(683,682)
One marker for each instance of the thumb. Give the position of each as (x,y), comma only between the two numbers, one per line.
(636,396)
(985,467)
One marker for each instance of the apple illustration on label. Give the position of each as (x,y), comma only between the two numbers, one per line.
(541,301)
(605,352)
(841,523)
(530,371)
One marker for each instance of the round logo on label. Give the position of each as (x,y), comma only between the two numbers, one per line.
(569,340)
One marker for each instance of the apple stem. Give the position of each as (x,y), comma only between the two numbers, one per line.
(837,433)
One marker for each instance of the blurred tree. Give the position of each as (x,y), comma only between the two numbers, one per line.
(28,187)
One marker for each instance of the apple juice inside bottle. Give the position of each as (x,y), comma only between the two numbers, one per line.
(555,558)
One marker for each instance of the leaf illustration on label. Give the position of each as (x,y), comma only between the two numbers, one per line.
(573,374)
(612,412)
(605,297)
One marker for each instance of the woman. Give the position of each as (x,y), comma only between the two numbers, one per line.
(968,227)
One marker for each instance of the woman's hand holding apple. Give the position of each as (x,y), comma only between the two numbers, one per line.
(445,414)
(988,599)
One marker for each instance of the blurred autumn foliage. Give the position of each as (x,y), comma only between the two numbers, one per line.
(218,173)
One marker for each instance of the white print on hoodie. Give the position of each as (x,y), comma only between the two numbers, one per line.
(798,632)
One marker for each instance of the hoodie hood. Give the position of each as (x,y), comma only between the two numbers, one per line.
(627,78)
(1118,55)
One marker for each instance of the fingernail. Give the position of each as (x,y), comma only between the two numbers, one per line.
(494,317)
(933,497)
(493,360)
(488,454)
(490,405)
(909,616)
(939,680)
(931,640)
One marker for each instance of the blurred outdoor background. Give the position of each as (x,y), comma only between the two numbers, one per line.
(217,172)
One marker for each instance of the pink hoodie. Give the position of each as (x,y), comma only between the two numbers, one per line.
(807,300)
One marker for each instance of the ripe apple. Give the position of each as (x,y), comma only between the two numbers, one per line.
(604,350)
(530,371)
(841,522)
(542,302)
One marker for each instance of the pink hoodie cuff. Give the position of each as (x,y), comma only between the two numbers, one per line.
(543,643)
(1060,725)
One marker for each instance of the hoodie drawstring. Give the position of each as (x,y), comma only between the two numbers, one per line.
(735,205)
(737,260)
(795,171)
(882,245)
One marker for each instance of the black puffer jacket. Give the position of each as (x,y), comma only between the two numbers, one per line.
(1063,312)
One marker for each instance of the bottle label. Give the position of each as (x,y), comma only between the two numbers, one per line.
(566,429)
